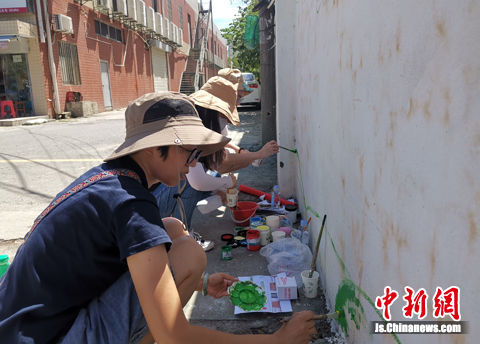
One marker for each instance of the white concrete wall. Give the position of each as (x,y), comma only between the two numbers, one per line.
(382,101)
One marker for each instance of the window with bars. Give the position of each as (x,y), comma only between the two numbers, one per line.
(108,31)
(69,63)
(180,15)
(169,9)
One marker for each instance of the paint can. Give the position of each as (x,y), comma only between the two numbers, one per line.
(264,234)
(253,240)
(291,212)
(256,221)
(226,252)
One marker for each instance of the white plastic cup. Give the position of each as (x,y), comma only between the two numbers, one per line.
(232,197)
(277,235)
(310,285)
(257,163)
(273,221)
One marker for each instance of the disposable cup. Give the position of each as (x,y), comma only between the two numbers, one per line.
(310,285)
(232,197)
(277,235)
(273,221)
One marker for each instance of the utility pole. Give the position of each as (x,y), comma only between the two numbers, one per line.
(267,69)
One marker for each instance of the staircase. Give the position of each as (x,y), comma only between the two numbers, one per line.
(194,75)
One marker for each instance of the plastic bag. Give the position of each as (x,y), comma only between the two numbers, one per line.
(287,255)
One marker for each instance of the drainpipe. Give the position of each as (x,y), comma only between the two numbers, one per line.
(56,99)
(40,21)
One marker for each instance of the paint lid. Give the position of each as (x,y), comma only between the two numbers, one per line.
(263,228)
(239,238)
(227,237)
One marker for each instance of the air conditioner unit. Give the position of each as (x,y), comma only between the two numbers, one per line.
(175,34)
(159,29)
(63,23)
(150,19)
(103,4)
(132,10)
(119,7)
(171,32)
(166,28)
(180,37)
(141,13)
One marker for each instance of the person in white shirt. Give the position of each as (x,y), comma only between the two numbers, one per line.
(216,104)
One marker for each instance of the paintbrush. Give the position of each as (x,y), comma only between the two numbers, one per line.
(312,267)
(333,315)
(288,149)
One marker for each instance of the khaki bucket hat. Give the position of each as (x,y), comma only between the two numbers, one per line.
(166,119)
(220,95)
(235,77)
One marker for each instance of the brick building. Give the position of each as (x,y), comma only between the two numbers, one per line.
(101,54)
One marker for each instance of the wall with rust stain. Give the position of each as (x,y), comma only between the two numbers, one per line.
(383,105)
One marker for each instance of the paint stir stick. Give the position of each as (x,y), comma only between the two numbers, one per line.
(312,267)
(333,315)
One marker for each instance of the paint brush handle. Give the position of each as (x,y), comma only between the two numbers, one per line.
(312,267)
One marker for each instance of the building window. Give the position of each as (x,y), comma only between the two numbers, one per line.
(169,8)
(155,5)
(69,63)
(108,31)
(180,15)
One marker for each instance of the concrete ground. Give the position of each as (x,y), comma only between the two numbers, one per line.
(219,313)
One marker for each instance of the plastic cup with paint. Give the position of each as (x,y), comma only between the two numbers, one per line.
(273,221)
(310,284)
(286,230)
(232,197)
(277,235)
(257,163)
(264,234)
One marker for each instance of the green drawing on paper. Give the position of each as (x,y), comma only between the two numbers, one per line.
(247,295)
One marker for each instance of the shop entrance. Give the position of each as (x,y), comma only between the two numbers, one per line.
(15,88)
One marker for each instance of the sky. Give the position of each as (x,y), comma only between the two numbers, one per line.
(224,11)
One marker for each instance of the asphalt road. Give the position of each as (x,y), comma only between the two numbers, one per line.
(38,161)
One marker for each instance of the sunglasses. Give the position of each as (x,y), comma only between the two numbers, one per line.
(194,154)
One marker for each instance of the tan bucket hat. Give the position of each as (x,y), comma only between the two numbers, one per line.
(235,77)
(166,119)
(220,95)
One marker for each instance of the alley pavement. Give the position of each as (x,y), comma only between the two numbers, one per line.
(219,313)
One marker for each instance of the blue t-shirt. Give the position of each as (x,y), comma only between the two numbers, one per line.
(76,252)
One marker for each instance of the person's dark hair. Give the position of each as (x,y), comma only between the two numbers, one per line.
(163,152)
(210,120)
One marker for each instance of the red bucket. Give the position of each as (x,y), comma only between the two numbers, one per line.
(243,212)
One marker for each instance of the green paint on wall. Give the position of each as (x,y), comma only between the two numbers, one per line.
(348,303)
(346,300)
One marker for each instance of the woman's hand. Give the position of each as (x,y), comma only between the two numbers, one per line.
(218,284)
(298,330)
(268,149)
